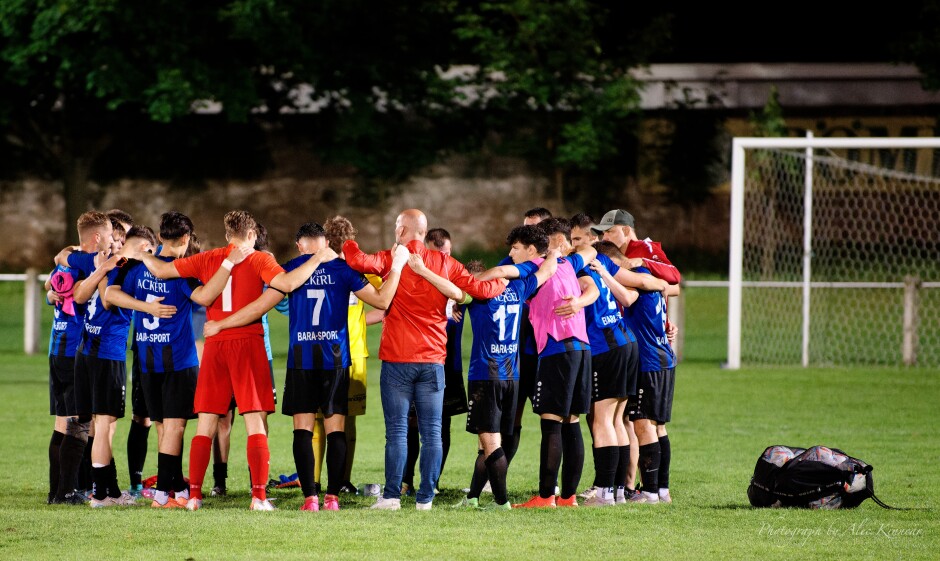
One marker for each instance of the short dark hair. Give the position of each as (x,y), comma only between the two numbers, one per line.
(555,226)
(541,212)
(261,242)
(607,248)
(120,216)
(528,235)
(174,225)
(436,237)
(475,266)
(581,220)
(142,232)
(310,230)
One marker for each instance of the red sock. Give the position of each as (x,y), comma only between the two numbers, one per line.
(259,457)
(199,451)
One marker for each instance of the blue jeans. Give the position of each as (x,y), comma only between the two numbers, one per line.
(402,384)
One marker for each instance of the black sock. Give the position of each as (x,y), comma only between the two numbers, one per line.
(85,480)
(511,444)
(411,459)
(496,466)
(166,472)
(303,460)
(99,479)
(550,457)
(479,479)
(114,488)
(573,451)
(623,464)
(55,466)
(665,457)
(71,453)
(649,467)
(136,452)
(179,482)
(605,466)
(335,461)
(445,441)
(220,473)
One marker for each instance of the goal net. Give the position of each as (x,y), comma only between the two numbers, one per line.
(835,252)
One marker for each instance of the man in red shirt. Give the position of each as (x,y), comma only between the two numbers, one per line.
(234,362)
(412,349)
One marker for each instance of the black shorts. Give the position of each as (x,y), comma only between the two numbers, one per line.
(528,366)
(563,384)
(455,396)
(654,396)
(309,391)
(609,374)
(492,405)
(61,385)
(99,386)
(138,401)
(633,367)
(170,395)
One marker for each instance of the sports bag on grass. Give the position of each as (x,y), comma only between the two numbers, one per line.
(817,477)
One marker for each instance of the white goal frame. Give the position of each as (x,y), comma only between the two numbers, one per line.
(735,274)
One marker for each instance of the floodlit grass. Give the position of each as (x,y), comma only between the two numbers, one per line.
(722,421)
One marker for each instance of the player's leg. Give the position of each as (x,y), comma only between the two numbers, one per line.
(139,432)
(318,442)
(211,401)
(303,447)
(528,365)
(579,368)
(357,406)
(333,399)
(249,371)
(221,445)
(664,445)
(477,423)
(397,389)
(429,404)
(109,378)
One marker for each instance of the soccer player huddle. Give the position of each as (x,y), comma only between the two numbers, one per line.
(574,320)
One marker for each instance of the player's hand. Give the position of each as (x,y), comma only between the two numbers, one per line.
(633,263)
(569,308)
(671,331)
(210,329)
(456,314)
(62,258)
(416,262)
(109,263)
(400,256)
(158,310)
(553,254)
(54,297)
(239,254)
(326,254)
(598,267)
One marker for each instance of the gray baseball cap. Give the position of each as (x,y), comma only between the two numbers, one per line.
(616,217)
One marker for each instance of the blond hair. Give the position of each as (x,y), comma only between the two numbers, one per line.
(238,223)
(92,220)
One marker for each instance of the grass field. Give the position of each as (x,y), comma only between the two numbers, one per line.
(722,421)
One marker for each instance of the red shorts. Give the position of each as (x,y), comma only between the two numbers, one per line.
(236,367)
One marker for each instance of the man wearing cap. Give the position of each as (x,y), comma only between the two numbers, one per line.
(651,408)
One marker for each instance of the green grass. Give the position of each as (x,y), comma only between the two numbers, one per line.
(722,421)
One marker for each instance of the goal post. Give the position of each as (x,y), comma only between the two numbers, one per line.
(834,250)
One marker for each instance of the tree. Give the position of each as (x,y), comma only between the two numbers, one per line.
(555,76)
(75,71)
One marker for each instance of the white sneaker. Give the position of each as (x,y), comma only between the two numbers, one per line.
(664,496)
(193,504)
(386,504)
(424,506)
(258,504)
(589,493)
(644,498)
(126,499)
(103,503)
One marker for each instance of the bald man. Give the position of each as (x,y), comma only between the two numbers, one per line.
(413,349)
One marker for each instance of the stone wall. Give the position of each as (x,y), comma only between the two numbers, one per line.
(477,210)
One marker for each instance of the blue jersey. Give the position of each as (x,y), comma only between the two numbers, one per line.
(162,344)
(602,318)
(526,336)
(104,334)
(66,327)
(496,327)
(454,359)
(319,314)
(647,318)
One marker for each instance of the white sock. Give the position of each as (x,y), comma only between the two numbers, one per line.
(161,497)
(620,492)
